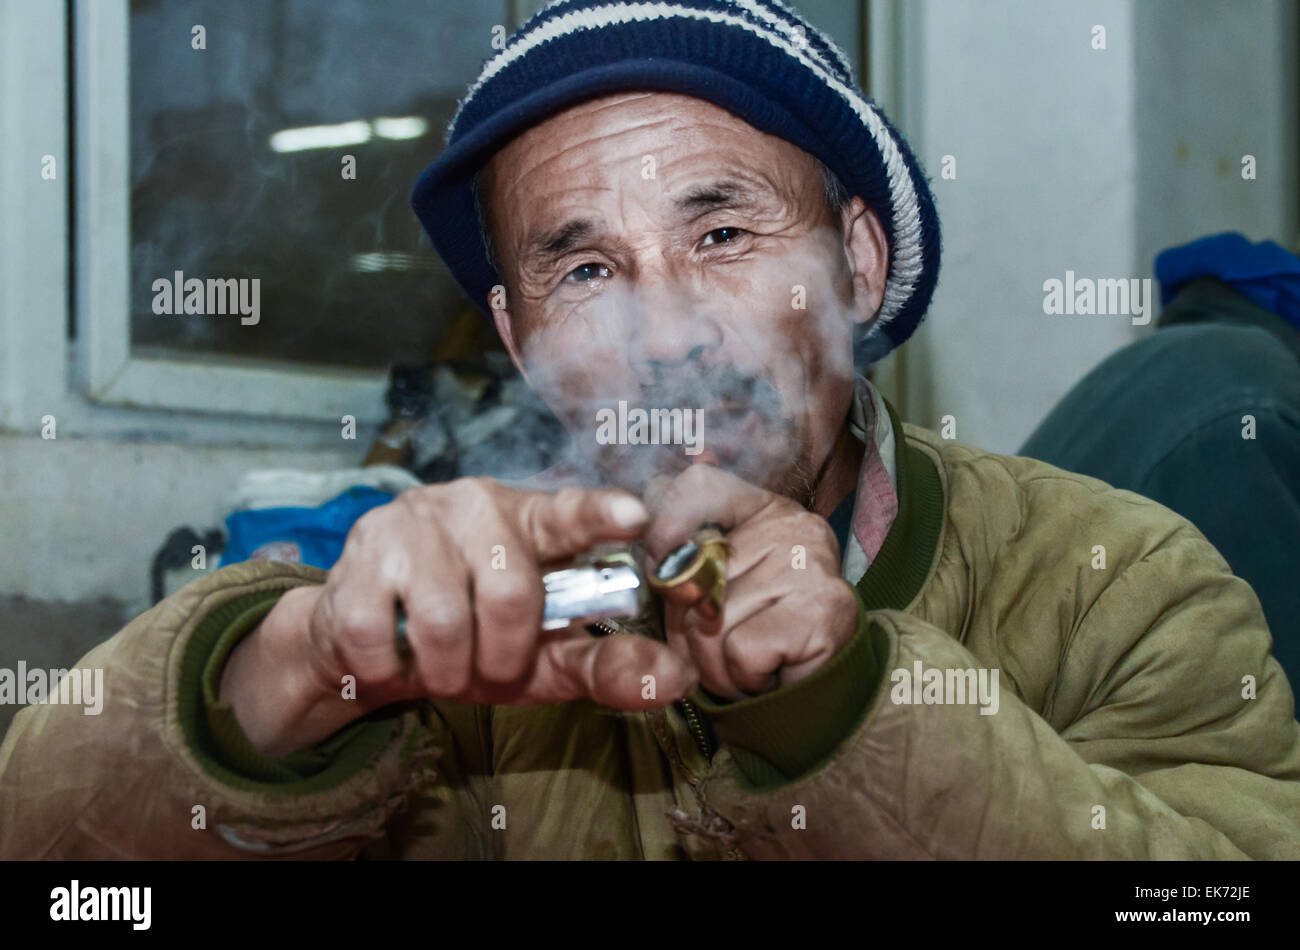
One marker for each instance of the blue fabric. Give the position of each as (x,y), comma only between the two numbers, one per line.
(318,533)
(1264,272)
(742,68)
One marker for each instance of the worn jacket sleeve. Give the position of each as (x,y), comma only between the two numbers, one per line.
(791,730)
(1169,734)
(161,773)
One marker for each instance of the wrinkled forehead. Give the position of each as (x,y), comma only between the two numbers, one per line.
(650,141)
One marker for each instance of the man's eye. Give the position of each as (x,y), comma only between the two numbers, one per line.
(722,235)
(587,272)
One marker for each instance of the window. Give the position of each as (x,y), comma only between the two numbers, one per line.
(248,165)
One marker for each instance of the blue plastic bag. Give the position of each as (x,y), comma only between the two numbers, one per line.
(312,536)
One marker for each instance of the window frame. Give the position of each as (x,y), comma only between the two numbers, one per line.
(113,374)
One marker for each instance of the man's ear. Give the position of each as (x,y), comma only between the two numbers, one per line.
(505,329)
(867,252)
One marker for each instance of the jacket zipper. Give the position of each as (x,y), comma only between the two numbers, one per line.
(695,725)
(694,721)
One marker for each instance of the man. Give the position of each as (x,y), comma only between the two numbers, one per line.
(926,651)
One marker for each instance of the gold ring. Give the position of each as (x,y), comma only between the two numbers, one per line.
(695,574)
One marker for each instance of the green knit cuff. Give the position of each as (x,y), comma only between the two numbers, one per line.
(791,732)
(219,743)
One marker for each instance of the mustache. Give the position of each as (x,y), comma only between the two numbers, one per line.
(741,417)
(727,388)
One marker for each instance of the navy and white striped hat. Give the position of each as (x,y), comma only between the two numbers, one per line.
(758,59)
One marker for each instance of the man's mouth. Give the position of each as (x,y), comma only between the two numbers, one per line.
(737,426)
(730,413)
(732,427)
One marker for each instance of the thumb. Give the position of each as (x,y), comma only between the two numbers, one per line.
(625,671)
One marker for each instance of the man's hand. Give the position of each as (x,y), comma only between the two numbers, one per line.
(781,620)
(465,559)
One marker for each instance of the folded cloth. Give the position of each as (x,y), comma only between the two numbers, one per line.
(1265,272)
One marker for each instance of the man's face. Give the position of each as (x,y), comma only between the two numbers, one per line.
(660,251)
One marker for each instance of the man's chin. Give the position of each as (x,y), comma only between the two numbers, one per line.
(633,468)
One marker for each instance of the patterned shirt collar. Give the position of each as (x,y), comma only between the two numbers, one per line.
(876,503)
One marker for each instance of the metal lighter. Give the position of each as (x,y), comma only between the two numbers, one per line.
(600,585)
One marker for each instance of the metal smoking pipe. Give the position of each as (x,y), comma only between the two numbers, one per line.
(601,586)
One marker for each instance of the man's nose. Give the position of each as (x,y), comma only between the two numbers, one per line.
(671,329)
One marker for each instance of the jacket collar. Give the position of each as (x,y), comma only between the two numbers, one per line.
(901,566)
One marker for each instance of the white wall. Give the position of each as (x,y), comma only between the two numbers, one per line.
(1067,158)
(82,518)
(1217,81)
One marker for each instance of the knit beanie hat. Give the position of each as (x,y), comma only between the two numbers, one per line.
(758,59)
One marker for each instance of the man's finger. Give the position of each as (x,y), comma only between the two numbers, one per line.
(622,671)
(570,521)
(703,641)
(703,494)
(508,604)
(440,631)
